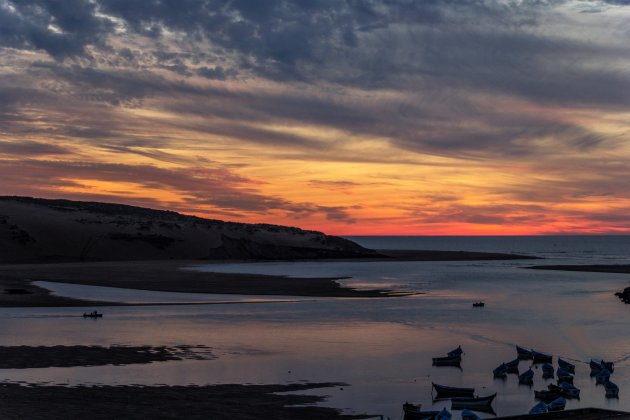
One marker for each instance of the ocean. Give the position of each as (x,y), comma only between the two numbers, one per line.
(380,347)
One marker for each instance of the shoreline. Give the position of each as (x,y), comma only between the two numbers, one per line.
(17,290)
(588,268)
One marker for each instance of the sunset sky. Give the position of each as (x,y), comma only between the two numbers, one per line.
(437,117)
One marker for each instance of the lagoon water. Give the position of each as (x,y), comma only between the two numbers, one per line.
(381,348)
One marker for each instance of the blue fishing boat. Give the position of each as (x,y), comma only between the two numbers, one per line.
(539,408)
(564,376)
(569,367)
(612,390)
(541,357)
(500,371)
(602,377)
(469,415)
(512,366)
(447,361)
(523,354)
(547,371)
(527,377)
(455,352)
(557,405)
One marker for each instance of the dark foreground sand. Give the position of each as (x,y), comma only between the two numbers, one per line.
(217,402)
(30,357)
(16,289)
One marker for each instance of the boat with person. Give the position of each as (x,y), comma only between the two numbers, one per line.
(612,390)
(527,377)
(93,314)
(540,357)
(444,392)
(523,353)
(569,367)
(447,361)
(476,403)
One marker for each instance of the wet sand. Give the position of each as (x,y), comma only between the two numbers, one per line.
(217,402)
(16,289)
(30,357)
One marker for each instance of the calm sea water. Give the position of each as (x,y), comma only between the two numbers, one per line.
(381,347)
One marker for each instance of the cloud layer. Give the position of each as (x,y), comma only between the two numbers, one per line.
(349,117)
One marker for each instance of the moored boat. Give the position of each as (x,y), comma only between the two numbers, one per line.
(512,366)
(451,391)
(469,415)
(500,371)
(414,412)
(596,367)
(447,361)
(444,414)
(455,352)
(527,377)
(564,376)
(478,305)
(569,367)
(608,365)
(602,377)
(523,354)
(546,395)
(540,357)
(539,408)
(565,389)
(93,314)
(557,405)
(547,371)
(477,403)
(612,390)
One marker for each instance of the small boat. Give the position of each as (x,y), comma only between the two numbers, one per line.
(565,389)
(478,305)
(547,371)
(612,390)
(602,377)
(447,361)
(546,395)
(451,391)
(444,414)
(608,365)
(541,357)
(93,314)
(477,403)
(512,366)
(557,405)
(455,352)
(523,354)
(539,408)
(596,367)
(469,415)
(414,412)
(564,376)
(500,371)
(527,377)
(569,367)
